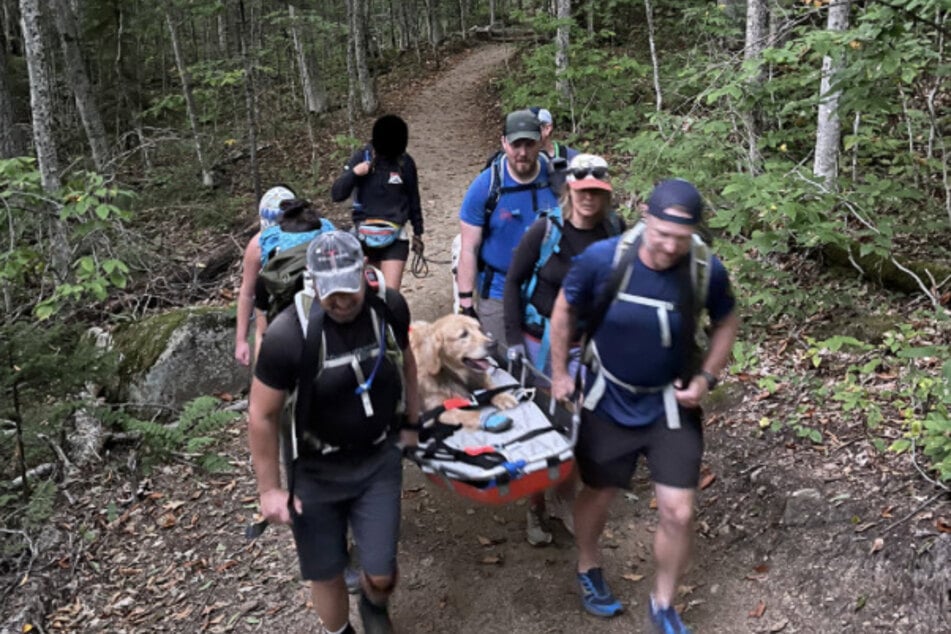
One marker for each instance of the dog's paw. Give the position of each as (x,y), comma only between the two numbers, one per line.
(504,401)
(468,418)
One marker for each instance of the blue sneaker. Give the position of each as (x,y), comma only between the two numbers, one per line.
(596,596)
(665,621)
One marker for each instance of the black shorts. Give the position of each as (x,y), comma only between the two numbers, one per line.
(399,250)
(371,507)
(607,453)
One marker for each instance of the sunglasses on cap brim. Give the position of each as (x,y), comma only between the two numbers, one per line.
(584,172)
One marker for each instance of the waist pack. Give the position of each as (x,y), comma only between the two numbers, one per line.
(378,234)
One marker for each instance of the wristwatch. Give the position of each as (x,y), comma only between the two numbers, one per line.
(712,380)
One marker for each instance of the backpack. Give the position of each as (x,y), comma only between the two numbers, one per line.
(694,275)
(371,158)
(297,406)
(551,244)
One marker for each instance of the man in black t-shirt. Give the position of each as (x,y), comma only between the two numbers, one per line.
(344,468)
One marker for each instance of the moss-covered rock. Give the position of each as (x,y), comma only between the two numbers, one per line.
(171,358)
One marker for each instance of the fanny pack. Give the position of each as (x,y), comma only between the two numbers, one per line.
(377,234)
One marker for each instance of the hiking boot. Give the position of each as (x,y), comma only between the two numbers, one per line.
(664,621)
(351,576)
(560,508)
(376,618)
(535,531)
(596,596)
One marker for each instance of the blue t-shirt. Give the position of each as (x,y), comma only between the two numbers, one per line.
(629,340)
(512,217)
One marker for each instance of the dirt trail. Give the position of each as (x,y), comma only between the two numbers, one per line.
(785,541)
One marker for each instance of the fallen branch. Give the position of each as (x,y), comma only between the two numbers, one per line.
(36,472)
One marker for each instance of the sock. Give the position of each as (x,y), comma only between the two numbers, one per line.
(346,628)
(655,606)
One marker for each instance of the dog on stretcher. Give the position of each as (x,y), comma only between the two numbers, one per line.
(452,361)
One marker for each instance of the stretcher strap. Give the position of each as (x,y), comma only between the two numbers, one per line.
(478,399)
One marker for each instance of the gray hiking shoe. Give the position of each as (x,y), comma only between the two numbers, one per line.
(535,531)
(376,618)
(560,508)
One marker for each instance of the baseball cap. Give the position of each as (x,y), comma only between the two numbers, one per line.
(335,262)
(543,115)
(587,171)
(522,124)
(676,192)
(269,209)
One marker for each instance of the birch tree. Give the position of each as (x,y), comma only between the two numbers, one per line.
(78,79)
(562,41)
(206,177)
(757,21)
(826,164)
(43,140)
(244,36)
(356,15)
(11,141)
(315,95)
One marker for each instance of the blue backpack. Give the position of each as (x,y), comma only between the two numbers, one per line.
(551,244)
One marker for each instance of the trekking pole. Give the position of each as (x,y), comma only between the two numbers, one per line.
(255,529)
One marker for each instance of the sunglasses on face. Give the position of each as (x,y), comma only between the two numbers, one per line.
(583,172)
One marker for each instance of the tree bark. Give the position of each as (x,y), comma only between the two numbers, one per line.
(357,13)
(78,79)
(40,95)
(315,96)
(244,36)
(658,95)
(826,164)
(562,42)
(206,177)
(351,71)
(11,140)
(756,35)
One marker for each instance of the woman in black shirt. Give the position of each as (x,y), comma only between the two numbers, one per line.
(382,178)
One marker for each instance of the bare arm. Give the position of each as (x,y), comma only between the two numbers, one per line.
(413,405)
(468,260)
(260,326)
(564,319)
(251,265)
(264,424)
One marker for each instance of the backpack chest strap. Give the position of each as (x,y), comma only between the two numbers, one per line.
(663,317)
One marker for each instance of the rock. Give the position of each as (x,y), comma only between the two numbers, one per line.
(803,507)
(171,358)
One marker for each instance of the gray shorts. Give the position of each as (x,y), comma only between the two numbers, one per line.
(371,507)
(490,315)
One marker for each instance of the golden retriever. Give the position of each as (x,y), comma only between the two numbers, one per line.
(452,360)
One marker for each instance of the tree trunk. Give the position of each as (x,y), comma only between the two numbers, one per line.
(658,95)
(562,41)
(315,97)
(40,94)
(206,177)
(11,140)
(356,12)
(222,27)
(491,12)
(43,141)
(78,80)
(244,36)
(756,36)
(826,165)
(351,71)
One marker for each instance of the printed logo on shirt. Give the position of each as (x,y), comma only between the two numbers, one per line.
(395,179)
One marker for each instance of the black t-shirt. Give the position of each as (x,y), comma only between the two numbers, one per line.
(337,413)
(573,241)
(390,191)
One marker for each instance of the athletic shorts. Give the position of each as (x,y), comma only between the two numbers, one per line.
(399,250)
(607,453)
(371,507)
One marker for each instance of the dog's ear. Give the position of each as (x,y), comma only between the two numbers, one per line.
(426,343)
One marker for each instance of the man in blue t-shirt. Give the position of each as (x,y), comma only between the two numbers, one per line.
(489,229)
(646,382)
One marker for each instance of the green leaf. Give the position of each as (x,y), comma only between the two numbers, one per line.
(900,446)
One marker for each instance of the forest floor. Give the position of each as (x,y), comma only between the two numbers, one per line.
(790,537)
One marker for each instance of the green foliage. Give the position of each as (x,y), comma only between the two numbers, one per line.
(192,436)
(90,213)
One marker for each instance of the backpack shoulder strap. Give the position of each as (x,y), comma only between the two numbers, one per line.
(701,261)
(624,255)
(495,187)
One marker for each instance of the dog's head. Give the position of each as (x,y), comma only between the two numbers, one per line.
(453,344)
